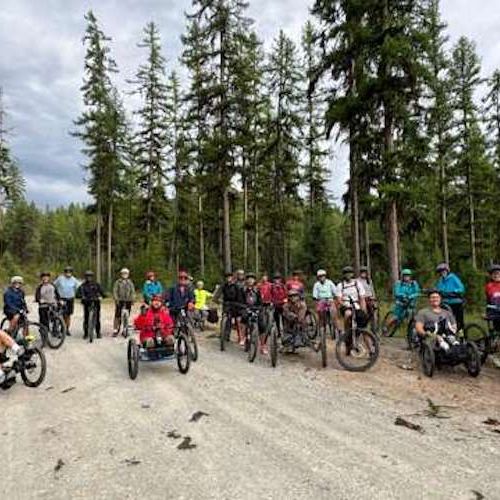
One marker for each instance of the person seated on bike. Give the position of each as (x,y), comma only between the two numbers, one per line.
(265,289)
(294,317)
(123,295)
(296,283)
(405,292)
(14,302)
(180,296)
(279,296)
(370,297)
(325,293)
(151,287)
(201,298)
(352,297)
(155,319)
(7,342)
(253,298)
(435,319)
(46,295)
(67,285)
(492,291)
(452,290)
(91,292)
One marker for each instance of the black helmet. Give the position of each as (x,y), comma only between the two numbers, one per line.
(433,291)
(68,269)
(228,274)
(442,267)
(251,275)
(44,273)
(348,270)
(363,269)
(277,276)
(293,292)
(493,268)
(89,274)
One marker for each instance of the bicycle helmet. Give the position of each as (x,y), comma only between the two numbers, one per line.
(442,267)
(17,279)
(251,275)
(124,271)
(183,275)
(44,273)
(297,272)
(277,276)
(406,272)
(293,293)
(320,273)
(228,274)
(433,291)
(364,269)
(89,274)
(68,269)
(200,284)
(157,297)
(348,270)
(150,274)
(493,268)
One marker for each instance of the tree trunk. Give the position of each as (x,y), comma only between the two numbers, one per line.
(110,245)
(245,223)
(226,233)
(98,245)
(202,236)
(472,218)
(257,236)
(444,213)
(367,246)
(355,229)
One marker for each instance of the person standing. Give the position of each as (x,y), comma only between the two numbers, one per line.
(91,293)
(67,285)
(452,292)
(123,294)
(46,295)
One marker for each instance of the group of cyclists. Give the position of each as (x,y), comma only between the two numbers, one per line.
(284,297)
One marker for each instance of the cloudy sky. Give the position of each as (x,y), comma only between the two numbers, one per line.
(41,58)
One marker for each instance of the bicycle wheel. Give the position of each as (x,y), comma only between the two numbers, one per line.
(183,354)
(412,336)
(57,332)
(428,358)
(473,362)
(125,319)
(357,352)
(33,367)
(323,347)
(273,345)
(4,325)
(311,328)
(390,325)
(225,331)
(133,358)
(37,335)
(91,325)
(253,343)
(480,337)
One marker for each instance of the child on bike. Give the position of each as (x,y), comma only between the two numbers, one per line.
(91,292)
(201,298)
(14,302)
(253,298)
(155,320)
(406,292)
(123,294)
(46,295)
(7,342)
(294,315)
(279,296)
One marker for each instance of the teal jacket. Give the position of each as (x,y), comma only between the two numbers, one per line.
(151,288)
(451,284)
(409,291)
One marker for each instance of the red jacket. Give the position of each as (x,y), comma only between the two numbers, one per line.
(149,323)
(293,284)
(266,292)
(279,294)
(492,290)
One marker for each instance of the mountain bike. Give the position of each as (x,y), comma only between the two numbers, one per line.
(183,325)
(252,331)
(91,321)
(487,339)
(56,326)
(35,333)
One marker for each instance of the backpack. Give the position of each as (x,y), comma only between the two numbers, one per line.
(213,316)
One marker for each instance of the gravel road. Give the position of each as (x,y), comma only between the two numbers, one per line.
(296,431)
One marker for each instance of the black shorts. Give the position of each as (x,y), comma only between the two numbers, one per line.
(120,306)
(69,307)
(10,313)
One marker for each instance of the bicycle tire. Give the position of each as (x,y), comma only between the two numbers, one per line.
(193,344)
(42,336)
(223,334)
(323,348)
(183,355)
(24,362)
(133,359)
(253,343)
(473,363)
(4,324)
(273,346)
(389,332)
(480,336)
(346,341)
(428,358)
(57,332)
(91,325)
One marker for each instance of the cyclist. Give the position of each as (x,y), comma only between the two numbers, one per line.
(233,302)
(254,298)
(67,285)
(239,278)
(46,295)
(279,296)
(123,295)
(352,297)
(492,290)
(91,292)
(296,283)
(405,292)
(265,289)
(452,291)
(155,318)
(370,298)
(151,287)
(14,302)
(7,342)
(180,295)
(294,315)
(324,294)
(435,318)
(201,297)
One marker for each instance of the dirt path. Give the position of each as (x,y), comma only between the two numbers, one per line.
(293,432)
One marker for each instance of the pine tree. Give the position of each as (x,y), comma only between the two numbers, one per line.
(153,135)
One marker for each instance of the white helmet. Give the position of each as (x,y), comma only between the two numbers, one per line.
(17,279)
(321,273)
(124,271)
